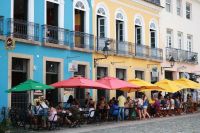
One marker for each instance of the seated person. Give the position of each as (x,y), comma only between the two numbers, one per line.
(37,109)
(59,107)
(52,114)
(114,109)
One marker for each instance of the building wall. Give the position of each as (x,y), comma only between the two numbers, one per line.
(39,52)
(179,23)
(131,9)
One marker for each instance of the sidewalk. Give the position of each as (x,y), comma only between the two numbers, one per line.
(126,126)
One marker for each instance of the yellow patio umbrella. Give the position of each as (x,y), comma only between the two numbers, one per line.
(169,86)
(144,86)
(188,83)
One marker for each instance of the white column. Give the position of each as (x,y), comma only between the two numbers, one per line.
(61,20)
(31,19)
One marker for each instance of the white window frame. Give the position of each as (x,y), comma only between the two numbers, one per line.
(99,27)
(188,11)
(179,7)
(168,3)
(87,14)
(180,40)
(153,28)
(189,43)
(169,38)
(121,16)
(142,25)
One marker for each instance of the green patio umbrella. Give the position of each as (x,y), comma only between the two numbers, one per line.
(29,85)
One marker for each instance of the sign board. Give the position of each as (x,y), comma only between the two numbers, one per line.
(154,72)
(9,43)
(72,67)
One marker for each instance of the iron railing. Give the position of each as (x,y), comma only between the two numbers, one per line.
(81,40)
(1,25)
(125,48)
(156,2)
(23,29)
(141,51)
(122,48)
(156,53)
(55,35)
(180,55)
(4,113)
(100,44)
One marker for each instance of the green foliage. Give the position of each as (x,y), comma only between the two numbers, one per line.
(4,125)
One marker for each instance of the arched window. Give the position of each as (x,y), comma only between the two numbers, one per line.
(79,5)
(101,12)
(138,30)
(153,34)
(119,16)
(138,22)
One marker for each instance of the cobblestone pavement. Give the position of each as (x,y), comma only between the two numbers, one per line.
(175,124)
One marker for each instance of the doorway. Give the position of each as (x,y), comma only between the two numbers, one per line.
(52,76)
(120,74)
(101,73)
(20,73)
(80,92)
(79,28)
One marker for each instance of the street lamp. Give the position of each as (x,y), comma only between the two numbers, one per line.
(171,61)
(105,52)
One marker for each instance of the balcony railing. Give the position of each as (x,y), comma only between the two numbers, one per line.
(81,40)
(141,51)
(156,2)
(23,29)
(125,48)
(156,53)
(55,35)
(1,25)
(182,55)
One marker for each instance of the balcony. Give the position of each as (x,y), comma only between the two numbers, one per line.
(156,53)
(22,29)
(125,48)
(81,41)
(1,25)
(121,48)
(182,55)
(55,35)
(155,2)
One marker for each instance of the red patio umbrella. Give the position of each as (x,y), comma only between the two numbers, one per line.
(115,83)
(79,82)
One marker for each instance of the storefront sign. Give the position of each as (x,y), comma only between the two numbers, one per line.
(10,43)
(72,67)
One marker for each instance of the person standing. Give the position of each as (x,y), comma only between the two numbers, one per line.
(145,106)
(121,102)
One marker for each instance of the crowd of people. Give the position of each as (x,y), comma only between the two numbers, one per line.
(120,108)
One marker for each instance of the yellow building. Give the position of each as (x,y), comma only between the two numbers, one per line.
(131,26)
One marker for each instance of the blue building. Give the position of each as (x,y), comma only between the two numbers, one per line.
(50,36)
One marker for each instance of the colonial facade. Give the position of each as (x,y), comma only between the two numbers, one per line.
(131,29)
(180,36)
(50,37)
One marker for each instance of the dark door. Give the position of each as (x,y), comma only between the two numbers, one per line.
(80,92)
(19,75)
(120,74)
(52,76)
(102,72)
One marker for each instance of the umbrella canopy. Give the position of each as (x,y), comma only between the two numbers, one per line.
(188,83)
(169,86)
(29,85)
(79,82)
(115,83)
(145,86)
